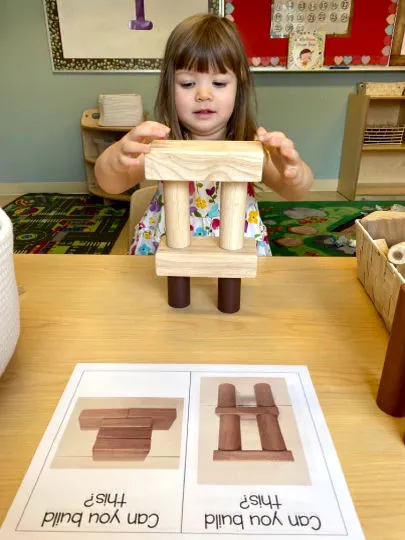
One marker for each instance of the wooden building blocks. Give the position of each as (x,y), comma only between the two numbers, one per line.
(266,414)
(124,434)
(391,392)
(180,255)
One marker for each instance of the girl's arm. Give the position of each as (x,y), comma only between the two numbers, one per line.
(121,166)
(283,169)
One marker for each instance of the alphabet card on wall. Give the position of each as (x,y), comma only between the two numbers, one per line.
(185,451)
(306,51)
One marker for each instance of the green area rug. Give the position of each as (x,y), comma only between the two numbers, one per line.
(58,223)
(316,229)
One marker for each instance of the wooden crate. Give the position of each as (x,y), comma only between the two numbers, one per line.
(380,278)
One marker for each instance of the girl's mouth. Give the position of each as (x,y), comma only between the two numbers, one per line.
(204,113)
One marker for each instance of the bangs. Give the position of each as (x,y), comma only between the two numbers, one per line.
(207,53)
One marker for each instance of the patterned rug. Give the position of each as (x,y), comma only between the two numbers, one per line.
(58,223)
(317,229)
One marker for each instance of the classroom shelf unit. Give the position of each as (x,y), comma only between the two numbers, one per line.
(96,139)
(373,152)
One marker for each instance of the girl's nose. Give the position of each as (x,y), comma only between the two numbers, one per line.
(203,94)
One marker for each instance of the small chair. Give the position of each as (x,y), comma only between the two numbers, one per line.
(139,203)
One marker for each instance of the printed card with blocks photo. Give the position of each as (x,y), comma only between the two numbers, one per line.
(306,51)
(171,451)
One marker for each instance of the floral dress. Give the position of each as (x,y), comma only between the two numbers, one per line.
(204,219)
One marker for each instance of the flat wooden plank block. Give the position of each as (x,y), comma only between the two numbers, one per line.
(247,412)
(121,449)
(92,418)
(127,422)
(202,161)
(136,445)
(124,433)
(252,455)
(204,258)
(161,418)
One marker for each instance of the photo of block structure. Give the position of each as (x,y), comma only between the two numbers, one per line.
(124,434)
(180,255)
(266,414)
(249,433)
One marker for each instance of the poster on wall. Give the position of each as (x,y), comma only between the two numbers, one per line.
(305,51)
(119,35)
(329,16)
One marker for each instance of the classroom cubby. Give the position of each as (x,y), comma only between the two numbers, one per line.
(373,151)
(95,140)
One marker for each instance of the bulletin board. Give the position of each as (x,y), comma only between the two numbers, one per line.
(366,42)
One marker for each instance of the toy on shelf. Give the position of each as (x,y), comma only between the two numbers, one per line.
(180,255)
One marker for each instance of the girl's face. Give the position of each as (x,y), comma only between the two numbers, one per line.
(205,102)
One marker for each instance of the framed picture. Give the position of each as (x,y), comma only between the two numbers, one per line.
(115,35)
(398,43)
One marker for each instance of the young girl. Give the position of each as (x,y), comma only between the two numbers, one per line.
(205,92)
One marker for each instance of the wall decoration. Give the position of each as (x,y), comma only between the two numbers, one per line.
(123,35)
(306,51)
(366,44)
(329,16)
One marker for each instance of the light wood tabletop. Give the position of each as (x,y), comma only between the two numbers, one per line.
(306,311)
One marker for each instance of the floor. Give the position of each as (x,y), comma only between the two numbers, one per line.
(121,245)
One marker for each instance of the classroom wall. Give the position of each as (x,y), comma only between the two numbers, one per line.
(40,110)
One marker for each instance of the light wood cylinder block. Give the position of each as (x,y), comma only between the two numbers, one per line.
(233,211)
(229,424)
(177,214)
(396,253)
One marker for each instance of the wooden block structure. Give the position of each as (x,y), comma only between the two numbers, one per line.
(124,434)
(266,414)
(391,392)
(180,255)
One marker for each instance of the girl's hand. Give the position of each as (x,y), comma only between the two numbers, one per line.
(283,154)
(137,142)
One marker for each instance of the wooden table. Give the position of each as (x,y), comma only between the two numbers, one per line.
(306,311)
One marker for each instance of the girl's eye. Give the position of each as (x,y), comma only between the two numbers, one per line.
(219,84)
(186,84)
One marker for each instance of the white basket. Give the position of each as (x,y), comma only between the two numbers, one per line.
(384,135)
(9,304)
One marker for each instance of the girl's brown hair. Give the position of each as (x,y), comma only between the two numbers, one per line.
(203,42)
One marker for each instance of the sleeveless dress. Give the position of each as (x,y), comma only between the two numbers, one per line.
(204,219)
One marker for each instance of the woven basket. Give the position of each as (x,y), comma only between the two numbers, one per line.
(9,304)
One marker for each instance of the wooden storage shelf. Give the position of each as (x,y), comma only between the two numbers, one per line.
(373,169)
(95,139)
(383,147)
(386,98)
(376,189)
